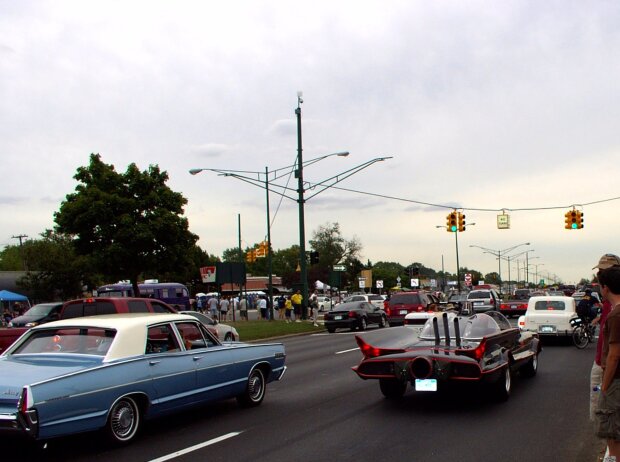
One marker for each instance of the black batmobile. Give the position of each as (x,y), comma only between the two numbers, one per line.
(449,349)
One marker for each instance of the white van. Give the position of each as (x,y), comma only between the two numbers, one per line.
(549,315)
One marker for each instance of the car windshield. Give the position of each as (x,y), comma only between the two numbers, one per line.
(474,327)
(405,299)
(82,340)
(41,309)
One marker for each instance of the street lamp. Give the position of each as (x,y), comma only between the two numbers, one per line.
(498,254)
(256,179)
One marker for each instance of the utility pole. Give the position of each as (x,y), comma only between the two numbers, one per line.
(21,251)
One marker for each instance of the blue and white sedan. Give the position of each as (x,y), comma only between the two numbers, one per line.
(111,372)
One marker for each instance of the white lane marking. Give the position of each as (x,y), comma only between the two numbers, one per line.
(346,351)
(195,448)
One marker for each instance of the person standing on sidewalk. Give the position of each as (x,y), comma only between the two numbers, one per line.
(596,374)
(608,412)
(297,300)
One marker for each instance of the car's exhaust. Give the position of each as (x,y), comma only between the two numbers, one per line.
(457,331)
(436,330)
(421,367)
(446,328)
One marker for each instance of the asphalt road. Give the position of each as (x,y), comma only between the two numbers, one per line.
(321,411)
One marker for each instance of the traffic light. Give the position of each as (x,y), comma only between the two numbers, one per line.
(570,219)
(579,219)
(263,249)
(314,257)
(451,222)
(250,256)
(461,217)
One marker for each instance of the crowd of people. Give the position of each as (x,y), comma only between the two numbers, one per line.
(285,308)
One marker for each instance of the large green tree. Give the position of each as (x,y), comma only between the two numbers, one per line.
(128,223)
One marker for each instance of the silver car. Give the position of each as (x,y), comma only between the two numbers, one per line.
(484,300)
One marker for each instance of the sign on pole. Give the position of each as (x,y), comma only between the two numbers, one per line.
(415,283)
(207,273)
(379,284)
(339,268)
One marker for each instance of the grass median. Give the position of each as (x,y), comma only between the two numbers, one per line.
(257,330)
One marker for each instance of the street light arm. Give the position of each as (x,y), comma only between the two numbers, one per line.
(329,182)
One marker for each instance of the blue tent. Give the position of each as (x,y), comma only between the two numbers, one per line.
(8,296)
(12,297)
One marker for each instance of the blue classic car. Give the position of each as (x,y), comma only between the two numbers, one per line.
(110,372)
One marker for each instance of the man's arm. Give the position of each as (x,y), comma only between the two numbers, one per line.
(611,364)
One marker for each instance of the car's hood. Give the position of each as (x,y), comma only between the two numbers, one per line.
(17,371)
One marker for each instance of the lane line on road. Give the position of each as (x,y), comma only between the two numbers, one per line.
(346,351)
(195,448)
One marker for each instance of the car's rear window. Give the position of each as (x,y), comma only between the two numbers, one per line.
(550,305)
(405,299)
(375,297)
(82,340)
(138,306)
(479,294)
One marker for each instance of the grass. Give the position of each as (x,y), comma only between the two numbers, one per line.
(257,330)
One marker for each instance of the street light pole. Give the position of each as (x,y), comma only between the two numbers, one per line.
(299,173)
(269,259)
(498,254)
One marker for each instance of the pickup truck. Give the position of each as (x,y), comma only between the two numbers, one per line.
(91,307)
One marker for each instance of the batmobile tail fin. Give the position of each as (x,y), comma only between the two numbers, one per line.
(436,330)
(457,332)
(370,351)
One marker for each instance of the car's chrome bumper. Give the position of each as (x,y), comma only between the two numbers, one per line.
(20,422)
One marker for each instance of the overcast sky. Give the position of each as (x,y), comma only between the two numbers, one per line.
(483,105)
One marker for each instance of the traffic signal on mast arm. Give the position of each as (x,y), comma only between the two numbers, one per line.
(570,219)
(451,222)
(314,257)
(461,218)
(250,256)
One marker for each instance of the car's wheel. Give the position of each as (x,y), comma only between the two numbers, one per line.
(501,388)
(254,390)
(392,388)
(331,330)
(228,337)
(383,322)
(580,337)
(531,367)
(123,420)
(363,324)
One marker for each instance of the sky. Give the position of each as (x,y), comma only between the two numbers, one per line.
(487,107)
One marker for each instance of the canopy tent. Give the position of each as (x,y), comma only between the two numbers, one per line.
(8,296)
(12,297)
(321,285)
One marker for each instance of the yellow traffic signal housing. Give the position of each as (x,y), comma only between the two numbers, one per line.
(571,219)
(567,220)
(579,219)
(452,222)
(250,256)
(461,218)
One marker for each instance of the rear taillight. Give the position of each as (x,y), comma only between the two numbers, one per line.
(419,308)
(352,314)
(476,353)
(492,301)
(23,404)
(370,351)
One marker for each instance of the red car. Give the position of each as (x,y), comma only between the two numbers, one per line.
(400,304)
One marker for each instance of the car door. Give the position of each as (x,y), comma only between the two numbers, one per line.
(172,368)
(215,371)
(372,312)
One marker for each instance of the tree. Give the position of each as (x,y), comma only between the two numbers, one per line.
(128,224)
(332,246)
(387,272)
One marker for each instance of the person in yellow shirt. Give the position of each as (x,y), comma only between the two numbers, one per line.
(297,300)
(288,308)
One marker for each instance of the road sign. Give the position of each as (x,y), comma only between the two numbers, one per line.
(339,268)
(503,221)
(362,283)
(379,284)
(415,283)
(468,279)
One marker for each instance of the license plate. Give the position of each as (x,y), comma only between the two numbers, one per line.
(478,303)
(402,312)
(337,318)
(547,329)
(425,384)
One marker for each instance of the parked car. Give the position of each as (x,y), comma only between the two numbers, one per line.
(484,300)
(111,372)
(354,315)
(402,303)
(325,303)
(549,316)
(223,332)
(376,300)
(38,314)
(93,306)
(451,348)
